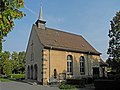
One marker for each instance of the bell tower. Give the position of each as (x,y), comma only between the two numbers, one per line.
(41,23)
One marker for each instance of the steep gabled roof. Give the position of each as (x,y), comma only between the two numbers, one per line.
(57,39)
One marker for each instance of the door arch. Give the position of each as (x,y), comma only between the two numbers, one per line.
(36,71)
(28,72)
(31,71)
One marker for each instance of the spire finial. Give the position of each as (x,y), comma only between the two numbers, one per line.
(40,15)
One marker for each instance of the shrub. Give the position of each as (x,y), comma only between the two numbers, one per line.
(78,82)
(66,86)
(17,76)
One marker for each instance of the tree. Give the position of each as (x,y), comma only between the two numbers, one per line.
(7,67)
(114,43)
(12,63)
(21,58)
(9,11)
(18,62)
(15,62)
(5,64)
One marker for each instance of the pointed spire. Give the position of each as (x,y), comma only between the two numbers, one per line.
(40,15)
(40,22)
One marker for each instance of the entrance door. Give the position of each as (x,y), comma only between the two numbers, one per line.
(96,72)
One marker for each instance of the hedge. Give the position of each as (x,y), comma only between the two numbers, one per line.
(17,76)
(78,82)
(66,86)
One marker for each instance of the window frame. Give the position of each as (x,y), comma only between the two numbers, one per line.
(69,64)
(82,65)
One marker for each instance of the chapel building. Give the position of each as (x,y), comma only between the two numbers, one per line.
(57,55)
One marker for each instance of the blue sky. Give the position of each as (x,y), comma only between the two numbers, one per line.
(89,18)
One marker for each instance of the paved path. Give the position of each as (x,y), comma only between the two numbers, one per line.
(25,86)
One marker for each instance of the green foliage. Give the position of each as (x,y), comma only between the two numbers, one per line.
(114,43)
(18,62)
(12,63)
(7,67)
(0,46)
(67,86)
(17,76)
(9,11)
(5,64)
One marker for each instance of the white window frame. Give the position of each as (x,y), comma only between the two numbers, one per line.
(69,64)
(82,65)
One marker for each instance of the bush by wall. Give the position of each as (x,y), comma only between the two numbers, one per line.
(66,86)
(17,76)
(78,82)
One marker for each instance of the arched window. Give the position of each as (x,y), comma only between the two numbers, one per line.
(69,64)
(82,65)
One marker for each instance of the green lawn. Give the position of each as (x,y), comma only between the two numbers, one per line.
(12,77)
(4,80)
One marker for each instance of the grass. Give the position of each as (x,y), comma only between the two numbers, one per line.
(4,79)
(12,77)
